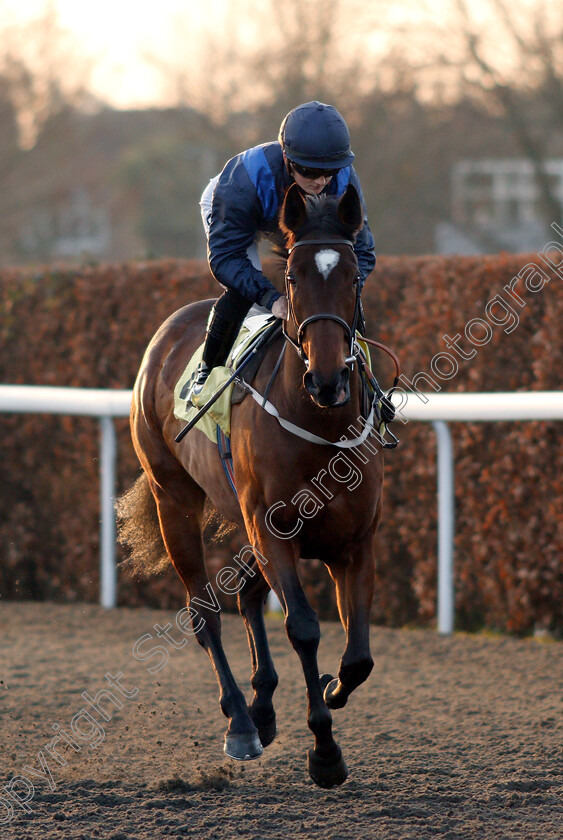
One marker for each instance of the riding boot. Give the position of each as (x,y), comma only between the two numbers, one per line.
(224,323)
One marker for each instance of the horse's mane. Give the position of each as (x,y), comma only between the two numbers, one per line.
(322,218)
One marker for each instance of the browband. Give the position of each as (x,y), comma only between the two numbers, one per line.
(321,242)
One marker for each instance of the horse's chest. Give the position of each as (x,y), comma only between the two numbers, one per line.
(325,507)
(328,526)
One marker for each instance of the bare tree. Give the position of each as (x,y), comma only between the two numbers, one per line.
(207,68)
(41,72)
(514,59)
(262,56)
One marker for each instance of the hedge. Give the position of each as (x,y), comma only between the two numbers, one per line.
(88,328)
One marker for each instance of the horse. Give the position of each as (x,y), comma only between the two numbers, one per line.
(315,385)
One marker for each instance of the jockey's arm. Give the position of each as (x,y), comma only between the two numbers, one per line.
(364,246)
(234,223)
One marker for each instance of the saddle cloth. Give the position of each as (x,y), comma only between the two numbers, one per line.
(220,412)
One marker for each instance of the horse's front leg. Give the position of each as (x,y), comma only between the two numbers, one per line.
(326,765)
(354,578)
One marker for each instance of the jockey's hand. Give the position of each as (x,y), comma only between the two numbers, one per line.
(279,308)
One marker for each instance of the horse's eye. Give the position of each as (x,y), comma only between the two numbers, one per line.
(356,279)
(290,277)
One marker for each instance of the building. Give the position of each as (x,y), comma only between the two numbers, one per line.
(496,205)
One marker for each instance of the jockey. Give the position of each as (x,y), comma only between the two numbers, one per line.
(242,204)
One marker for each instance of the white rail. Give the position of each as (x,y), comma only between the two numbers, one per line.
(471,408)
(439,409)
(46,399)
(83,402)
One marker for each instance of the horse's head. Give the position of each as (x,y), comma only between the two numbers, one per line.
(322,288)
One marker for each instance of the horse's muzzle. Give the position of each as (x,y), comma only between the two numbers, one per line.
(332,394)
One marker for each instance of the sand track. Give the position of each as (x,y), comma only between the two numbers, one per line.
(452,738)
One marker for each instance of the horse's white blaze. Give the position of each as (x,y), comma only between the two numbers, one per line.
(326,260)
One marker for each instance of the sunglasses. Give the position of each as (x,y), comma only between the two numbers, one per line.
(312,173)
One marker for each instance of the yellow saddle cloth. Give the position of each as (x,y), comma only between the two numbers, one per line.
(220,411)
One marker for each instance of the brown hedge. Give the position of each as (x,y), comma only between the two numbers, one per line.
(89,328)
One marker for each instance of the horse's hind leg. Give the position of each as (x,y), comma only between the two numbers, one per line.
(251,600)
(354,593)
(180,524)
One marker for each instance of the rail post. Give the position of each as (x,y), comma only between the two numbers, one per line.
(446,525)
(108,459)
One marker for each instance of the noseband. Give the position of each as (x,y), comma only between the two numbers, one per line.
(350,331)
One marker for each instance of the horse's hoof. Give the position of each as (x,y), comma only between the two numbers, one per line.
(325,679)
(243,747)
(334,701)
(324,774)
(268,732)
(265,723)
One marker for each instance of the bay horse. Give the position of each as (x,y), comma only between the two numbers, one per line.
(318,389)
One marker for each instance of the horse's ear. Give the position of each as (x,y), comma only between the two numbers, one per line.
(350,209)
(294,210)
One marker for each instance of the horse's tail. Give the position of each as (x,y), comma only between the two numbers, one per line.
(139,530)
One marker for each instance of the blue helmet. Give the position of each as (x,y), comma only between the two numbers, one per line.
(315,135)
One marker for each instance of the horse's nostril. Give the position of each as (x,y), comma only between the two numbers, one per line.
(309,381)
(334,391)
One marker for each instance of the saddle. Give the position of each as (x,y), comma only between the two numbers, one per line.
(219,414)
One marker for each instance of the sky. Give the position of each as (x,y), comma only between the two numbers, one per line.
(116,35)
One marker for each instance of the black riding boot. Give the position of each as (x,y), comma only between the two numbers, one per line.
(223,326)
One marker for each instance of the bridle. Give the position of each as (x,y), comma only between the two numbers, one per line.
(385,409)
(350,331)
